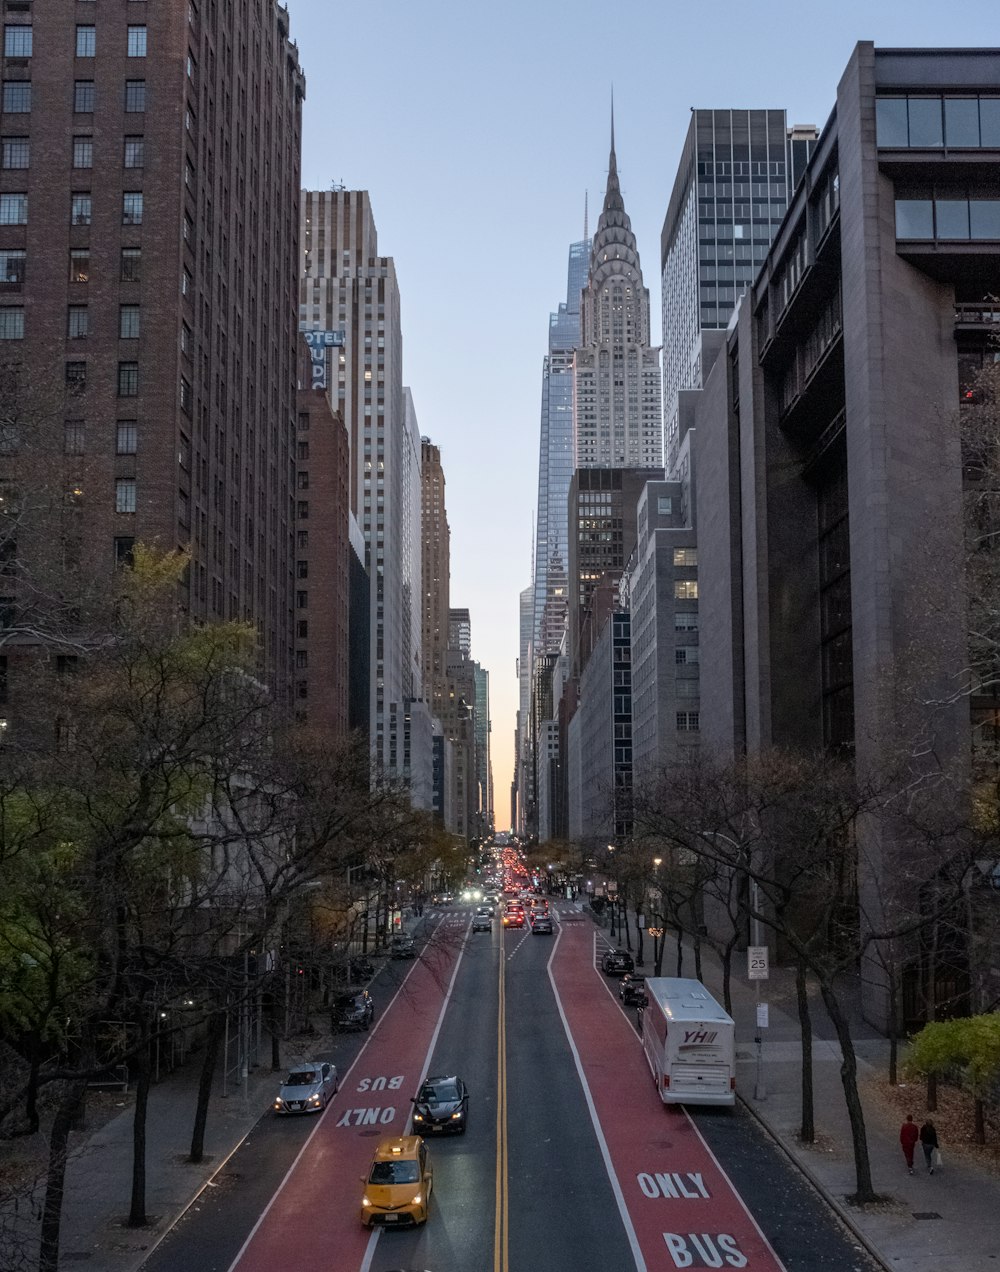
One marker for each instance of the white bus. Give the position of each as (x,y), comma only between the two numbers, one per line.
(690,1043)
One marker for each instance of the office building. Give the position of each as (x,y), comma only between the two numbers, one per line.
(347,287)
(435,570)
(736,170)
(164,366)
(617,421)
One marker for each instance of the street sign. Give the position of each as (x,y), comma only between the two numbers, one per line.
(762,1015)
(757,967)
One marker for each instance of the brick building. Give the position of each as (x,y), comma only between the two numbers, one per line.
(149,196)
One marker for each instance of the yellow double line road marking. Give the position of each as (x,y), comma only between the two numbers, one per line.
(500,1251)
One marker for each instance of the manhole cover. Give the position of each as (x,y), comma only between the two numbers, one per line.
(926,1214)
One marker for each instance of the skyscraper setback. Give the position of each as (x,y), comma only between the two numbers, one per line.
(149,236)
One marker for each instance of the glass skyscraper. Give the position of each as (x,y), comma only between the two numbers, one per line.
(556,460)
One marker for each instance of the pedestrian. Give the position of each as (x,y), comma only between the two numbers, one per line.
(909,1133)
(929,1143)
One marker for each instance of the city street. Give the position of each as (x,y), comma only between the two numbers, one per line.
(570,1161)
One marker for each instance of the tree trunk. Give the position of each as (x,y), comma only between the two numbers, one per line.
(865,1193)
(216,1027)
(48,1256)
(697,954)
(727,979)
(807,1130)
(31,1096)
(638,939)
(680,952)
(659,942)
(931,1013)
(893,1030)
(623,921)
(137,1211)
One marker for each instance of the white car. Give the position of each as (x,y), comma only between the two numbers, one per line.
(308,1088)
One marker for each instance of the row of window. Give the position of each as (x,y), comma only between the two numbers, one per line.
(14,208)
(86,40)
(948,218)
(931,122)
(13,265)
(126,437)
(16,98)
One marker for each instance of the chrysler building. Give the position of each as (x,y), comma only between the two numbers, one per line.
(617,421)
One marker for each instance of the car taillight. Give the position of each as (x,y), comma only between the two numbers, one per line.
(666,1081)
(732,1084)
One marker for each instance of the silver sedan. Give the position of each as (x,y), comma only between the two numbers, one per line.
(308,1088)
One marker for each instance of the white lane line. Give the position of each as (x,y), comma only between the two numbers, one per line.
(308,1140)
(366,1262)
(640,1262)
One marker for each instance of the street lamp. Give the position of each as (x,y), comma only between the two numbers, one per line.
(760,1090)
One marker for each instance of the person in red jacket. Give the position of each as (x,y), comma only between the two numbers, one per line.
(909,1134)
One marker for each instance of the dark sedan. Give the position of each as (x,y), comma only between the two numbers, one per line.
(616,963)
(352,1011)
(441,1104)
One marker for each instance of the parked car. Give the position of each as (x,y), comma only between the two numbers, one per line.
(352,1011)
(441,1104)
(632,990)
(308,1088)
(617,963)
(402,946)
(399,1183)
(362,967)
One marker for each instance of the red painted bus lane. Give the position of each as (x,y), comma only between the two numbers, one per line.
(677,1203)
(313,1223)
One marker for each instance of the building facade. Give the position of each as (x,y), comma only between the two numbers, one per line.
(163,364)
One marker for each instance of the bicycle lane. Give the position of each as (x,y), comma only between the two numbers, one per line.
(313,1221)
(678,1206)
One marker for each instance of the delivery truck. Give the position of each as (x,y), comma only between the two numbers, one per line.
(689,1041)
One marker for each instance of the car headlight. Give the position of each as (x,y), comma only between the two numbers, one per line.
(417,1199)
(314,1099)
(456,1115)
(418,1117)
(365,1201)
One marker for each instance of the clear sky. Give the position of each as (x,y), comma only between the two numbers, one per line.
(477,126)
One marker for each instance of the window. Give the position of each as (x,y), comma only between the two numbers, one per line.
(688,721)
(13,209)
(137,41)
(185,338)
(685,621)
(83,97)
(914,218)
(12,265)
(664,506)
(16,152)
(302,510)
(192,67)
(685,556)
(126,437)
(78,322)
(73,437)
(961,121)
(301,658)
(76,374)
(125,494)
(186,281)
(687,688)
(302,480)
(685,590)
(124,545)
(12,324)
(83,152)
(79,265)
(302,540)
(925,121)
(131,270)
(17,97)
(86,41)
(185,395)
(890,122)
(303,629)
(128,379)
(128,322)
(684,655)
(984,216)
(17,41)
(135,96)
(132,208)
(952,218)
(134,152)
(80,209)
(301,600)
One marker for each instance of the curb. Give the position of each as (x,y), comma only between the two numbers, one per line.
(839,1210)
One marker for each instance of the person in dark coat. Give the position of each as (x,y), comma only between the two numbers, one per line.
(929,1142)
(909,1134)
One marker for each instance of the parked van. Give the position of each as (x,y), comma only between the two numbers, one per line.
(690,1043)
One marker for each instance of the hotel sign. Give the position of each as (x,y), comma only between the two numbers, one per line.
(319,342)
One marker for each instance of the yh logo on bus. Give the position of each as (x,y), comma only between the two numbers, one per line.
(699,1035)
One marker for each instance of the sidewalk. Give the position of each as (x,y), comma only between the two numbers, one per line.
(99,1169)
(957,1229)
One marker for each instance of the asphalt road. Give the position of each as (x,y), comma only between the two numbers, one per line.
(545,1176)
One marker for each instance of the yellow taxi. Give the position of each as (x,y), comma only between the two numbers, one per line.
(399,1184)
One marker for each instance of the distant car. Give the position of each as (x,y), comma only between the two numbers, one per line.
(441,1104)
(352,1011)
(541,923)
(472,894)
(482,923)
(617,963)
(402,946)
(632,990)
(513,919)
(308,1088)
(488,910)
(399,1183)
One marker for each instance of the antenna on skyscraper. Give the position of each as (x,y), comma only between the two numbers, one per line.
(338,186)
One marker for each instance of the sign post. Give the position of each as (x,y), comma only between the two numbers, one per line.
(758,969)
